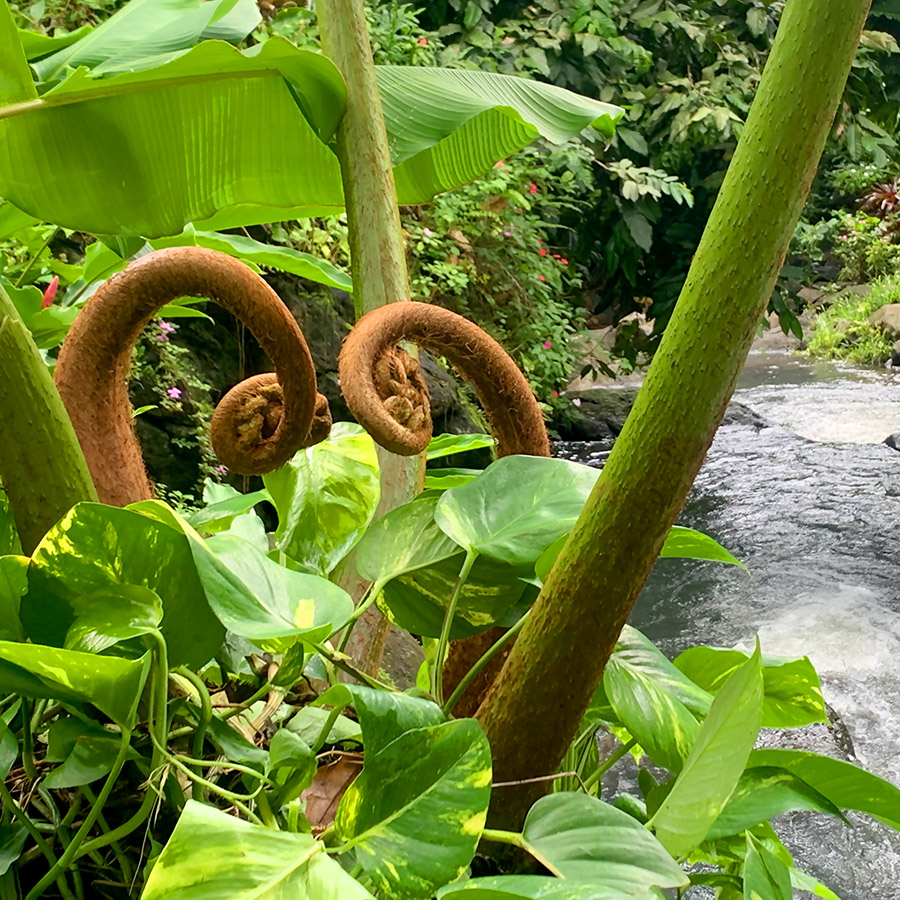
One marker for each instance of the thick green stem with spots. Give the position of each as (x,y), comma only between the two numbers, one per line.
(537,703)
(42,467)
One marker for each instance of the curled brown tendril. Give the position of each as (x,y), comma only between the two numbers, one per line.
(259,424)
(385,391)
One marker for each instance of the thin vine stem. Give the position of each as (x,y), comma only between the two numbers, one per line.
(472,674)
(608,764)
(203,720)
(437,687)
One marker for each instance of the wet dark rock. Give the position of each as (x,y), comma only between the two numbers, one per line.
(893,441)
(600,414)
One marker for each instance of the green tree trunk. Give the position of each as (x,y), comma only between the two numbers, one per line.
(377,253)
(538,701)
(41,464)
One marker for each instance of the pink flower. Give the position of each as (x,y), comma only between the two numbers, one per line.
(556,256)
(532,188)
(167,327)
(174,393)
(50,293)
(499,164)
(507,234)
(541,278)
(547,345)
(427,232)
(565,262)
(221,470)
(423,42)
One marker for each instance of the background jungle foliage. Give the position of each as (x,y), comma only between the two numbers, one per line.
(591,229)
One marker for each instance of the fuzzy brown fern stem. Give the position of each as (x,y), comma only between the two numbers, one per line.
(386,392)
(259,424)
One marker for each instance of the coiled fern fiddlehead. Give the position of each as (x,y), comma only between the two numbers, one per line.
(258,425)
(387,394)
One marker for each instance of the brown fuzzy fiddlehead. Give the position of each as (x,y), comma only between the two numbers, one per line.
(385,391)
(259,424)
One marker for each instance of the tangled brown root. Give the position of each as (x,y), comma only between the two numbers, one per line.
(259,424)
(386,392)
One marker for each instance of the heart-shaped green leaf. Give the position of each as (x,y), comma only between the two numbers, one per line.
(112,684)
(112,614)
(95,547)
(212,855)
(417,809)
(793,694)
(13,585)
(517,507)
(325,496)
(586,840)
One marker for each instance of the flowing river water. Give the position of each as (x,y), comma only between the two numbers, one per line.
(811,504)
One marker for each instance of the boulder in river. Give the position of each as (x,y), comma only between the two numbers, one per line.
(601,414)
(887,318)
(893,441)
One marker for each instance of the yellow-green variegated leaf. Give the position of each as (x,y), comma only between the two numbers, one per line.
(447,127)
(415,813)
(145,153)
(213,856)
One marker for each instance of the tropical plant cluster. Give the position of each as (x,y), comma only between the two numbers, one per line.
(183,701)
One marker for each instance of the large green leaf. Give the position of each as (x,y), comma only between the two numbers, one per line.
(146,153)
(416,812)
(286,605)
(16,85)
(715,764)
(112,684)
(223,505)
(144,28)
(95,547)
(793,694)
(383,715)
(325,496)
(442,445)
(653,700)
(285,259)
(586,840)
(85,750)
(535,887)
(764,793)
(447,127)
(212,856)
(37,44)
(846,785)
(116,613)
(493,595)
(517,507)
(407,538)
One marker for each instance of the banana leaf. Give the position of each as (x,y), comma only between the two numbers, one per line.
(224,138)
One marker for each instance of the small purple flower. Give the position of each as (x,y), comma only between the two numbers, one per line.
(167,327)
(507,234)
(174,393)
(427,232)
(221,470)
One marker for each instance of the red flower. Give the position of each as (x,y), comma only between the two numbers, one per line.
(554,393)
(541,278)
(556,256)
(422,42)
(565,262)
(542,252)
(532,188)
(50,293)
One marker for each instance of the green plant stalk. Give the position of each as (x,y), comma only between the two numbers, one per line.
(539,699)
(204,717)
(70,854)
(472,674)
(377,255)
(440,657)
(608,763)
(42,467)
